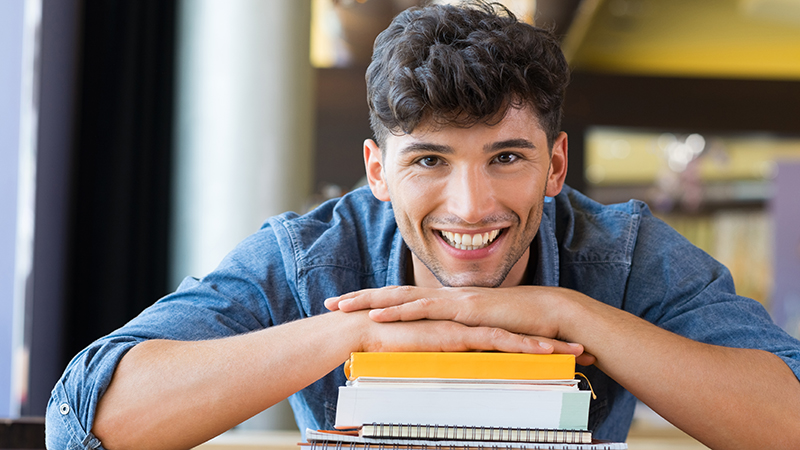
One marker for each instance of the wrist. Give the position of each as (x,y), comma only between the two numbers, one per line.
(572,314)
(356,326)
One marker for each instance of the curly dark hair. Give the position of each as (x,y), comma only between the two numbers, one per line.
(463,65)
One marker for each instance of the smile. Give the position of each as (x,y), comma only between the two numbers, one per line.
(469,241)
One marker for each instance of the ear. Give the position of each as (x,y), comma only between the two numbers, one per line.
(376,177)
(558,166)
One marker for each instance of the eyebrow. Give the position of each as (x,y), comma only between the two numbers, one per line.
(446,149)
(426,147)
(510,143)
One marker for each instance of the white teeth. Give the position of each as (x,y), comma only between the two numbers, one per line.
(477,240)
(469,241)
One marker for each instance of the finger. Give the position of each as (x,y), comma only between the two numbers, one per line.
(466,307)
(332,303)
(435,335)
(567,347)
(463,338)
(335,303)
(488,338)
(423,308)
(375,298)
(581,356)
(586,359)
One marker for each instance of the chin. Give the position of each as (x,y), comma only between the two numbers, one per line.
(470,281)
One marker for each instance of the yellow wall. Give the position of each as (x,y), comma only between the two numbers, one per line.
(713,38)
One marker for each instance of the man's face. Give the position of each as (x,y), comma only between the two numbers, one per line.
(468,201)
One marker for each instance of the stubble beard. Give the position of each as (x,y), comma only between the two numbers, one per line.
(511,258)
(472,277)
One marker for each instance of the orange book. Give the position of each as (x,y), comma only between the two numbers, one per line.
(460,365)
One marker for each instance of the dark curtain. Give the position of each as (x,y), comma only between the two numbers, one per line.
(120,199)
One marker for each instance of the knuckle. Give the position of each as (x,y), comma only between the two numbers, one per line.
(400,313)
(497,333)
(425,302)
(473,300)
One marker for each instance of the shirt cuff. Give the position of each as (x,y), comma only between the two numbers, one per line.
(63,429)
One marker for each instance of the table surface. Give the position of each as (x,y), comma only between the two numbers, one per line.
(641,437)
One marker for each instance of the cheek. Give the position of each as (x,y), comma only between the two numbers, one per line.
(535,216)
(414,197)
(528,206)
(414,213)
(523,196)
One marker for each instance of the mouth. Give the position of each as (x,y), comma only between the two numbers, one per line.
(465,241)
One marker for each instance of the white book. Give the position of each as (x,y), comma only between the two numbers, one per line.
(464,404)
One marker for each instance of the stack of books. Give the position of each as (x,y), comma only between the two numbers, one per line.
(462,401)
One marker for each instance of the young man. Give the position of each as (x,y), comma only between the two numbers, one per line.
(467,239)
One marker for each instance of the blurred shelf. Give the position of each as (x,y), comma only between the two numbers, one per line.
(715,196)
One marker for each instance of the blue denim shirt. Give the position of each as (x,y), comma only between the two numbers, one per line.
(618,254)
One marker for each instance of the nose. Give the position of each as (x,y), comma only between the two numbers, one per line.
(470,195)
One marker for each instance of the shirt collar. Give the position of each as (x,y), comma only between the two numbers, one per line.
(544,248)
(398,261)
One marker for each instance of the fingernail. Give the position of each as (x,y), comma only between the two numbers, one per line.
(573,344)
(545,345)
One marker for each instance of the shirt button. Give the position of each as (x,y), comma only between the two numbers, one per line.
(64,409)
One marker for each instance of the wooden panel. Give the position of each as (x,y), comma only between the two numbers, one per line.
(342,125)
(692,104)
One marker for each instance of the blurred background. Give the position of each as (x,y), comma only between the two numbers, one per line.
(140,141)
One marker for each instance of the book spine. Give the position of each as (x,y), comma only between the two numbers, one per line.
(464,365)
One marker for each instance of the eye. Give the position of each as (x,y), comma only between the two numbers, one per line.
(429,161)
(506,158)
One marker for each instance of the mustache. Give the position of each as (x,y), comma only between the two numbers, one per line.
(486,222)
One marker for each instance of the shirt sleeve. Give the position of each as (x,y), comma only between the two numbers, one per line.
(680,288)
(250,290)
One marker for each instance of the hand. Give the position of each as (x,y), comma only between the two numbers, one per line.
(520,309)
(526,310)
(441,336)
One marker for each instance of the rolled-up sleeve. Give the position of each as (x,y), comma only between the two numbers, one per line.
(73,401)
(242,295)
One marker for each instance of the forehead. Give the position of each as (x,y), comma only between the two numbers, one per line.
(516,124)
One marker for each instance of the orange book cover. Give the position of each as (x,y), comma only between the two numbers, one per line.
(460,365)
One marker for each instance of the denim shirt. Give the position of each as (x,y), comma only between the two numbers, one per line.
(619,254)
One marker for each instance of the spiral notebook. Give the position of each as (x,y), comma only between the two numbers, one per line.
(481,434)
(335,440)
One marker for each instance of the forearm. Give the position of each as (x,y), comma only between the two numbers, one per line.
(725,397)
(169,394)
(172,394)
